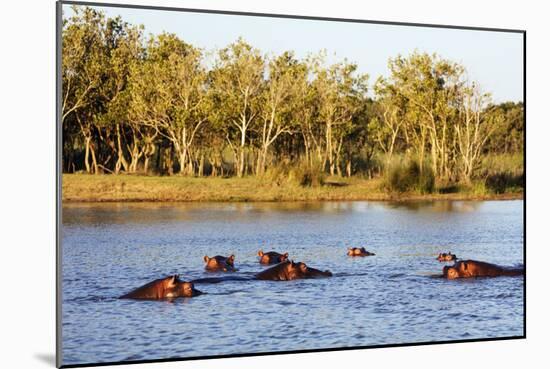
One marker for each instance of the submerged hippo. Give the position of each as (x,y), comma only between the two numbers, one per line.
(164,288)
(220,263)
(359,251)
(472,268)
(446,256)
(289,270)
(272,257)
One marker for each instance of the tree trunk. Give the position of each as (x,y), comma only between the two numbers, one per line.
(182,161)
(146,165)
(434,156)
(149,152)
(94,161)
(87,155)
(328,150)
(121,161)
(201,166)
(240,171)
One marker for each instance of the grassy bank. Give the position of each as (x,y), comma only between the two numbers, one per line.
(123,188)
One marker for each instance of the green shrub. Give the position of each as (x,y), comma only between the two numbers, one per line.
(307,175)
(406,176)
(505,182)
(276,174)
(502,173)
(300,173)
(477,188)
(492,164)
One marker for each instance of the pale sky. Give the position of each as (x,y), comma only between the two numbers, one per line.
(494,59)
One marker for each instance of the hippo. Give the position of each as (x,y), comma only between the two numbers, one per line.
(220,263)
(272,257)
(314,273)
(164,288)
(473,268)
(359,251)
(446,257)
(289,270)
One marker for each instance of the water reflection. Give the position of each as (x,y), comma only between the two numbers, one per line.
(437,206)
(147,212)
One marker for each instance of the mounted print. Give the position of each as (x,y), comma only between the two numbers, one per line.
(238,184)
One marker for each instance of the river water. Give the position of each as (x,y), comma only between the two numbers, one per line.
(391,298)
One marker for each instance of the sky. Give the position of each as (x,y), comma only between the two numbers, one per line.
(493,59)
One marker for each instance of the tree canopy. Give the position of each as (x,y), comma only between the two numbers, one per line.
(132,104)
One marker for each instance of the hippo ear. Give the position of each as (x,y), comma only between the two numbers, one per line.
(231,258)
(303,267)
(285,254)
(260,253)
(172,280)
(206,258)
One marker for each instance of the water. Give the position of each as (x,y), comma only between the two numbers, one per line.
(393,297)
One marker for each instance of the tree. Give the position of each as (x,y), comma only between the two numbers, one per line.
(390,119)
(472,130)
(237,84)
(168,94)
(306,111)
(123,48)
(509,131)
(83,65)
(430,86)
(339,92)
(279,99)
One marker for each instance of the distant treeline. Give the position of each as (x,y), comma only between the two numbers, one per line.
(159,105)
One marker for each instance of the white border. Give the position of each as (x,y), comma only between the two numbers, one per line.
(27,139)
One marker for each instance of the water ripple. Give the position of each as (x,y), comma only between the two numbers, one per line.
(396,296)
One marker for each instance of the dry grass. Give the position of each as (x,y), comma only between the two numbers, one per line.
(126,188)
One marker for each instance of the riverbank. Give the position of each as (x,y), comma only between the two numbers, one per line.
(133,188)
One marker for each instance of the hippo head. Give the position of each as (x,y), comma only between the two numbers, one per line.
(296,270)
(358,251)
(230,261)
(220,263)
(185,289)
(355,251)
(301,267)
(458,270)
(446,256)
(307,272)
(283,257)
(450,272)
